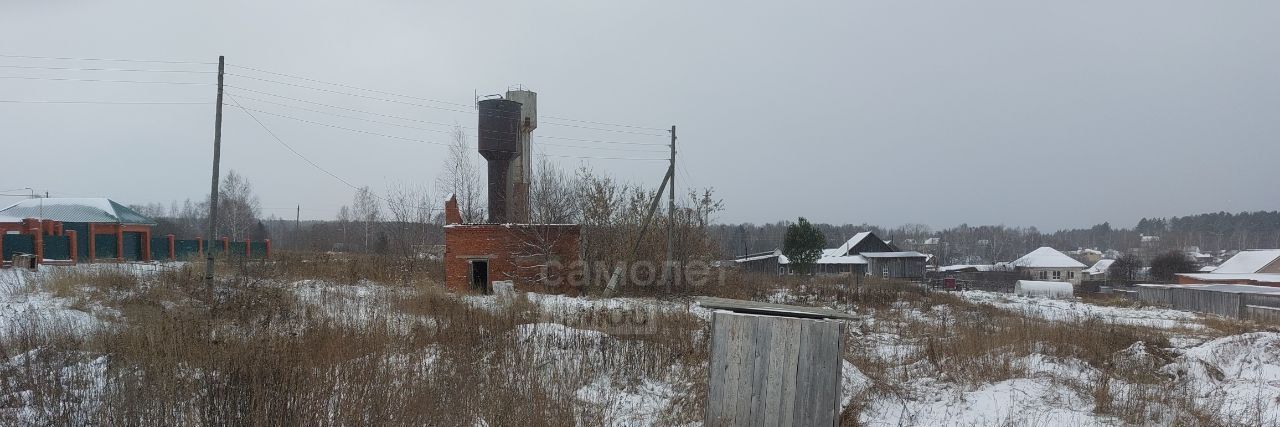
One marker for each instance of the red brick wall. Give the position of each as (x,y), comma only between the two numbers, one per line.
(515,252)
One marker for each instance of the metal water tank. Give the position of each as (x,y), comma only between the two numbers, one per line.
(499,128)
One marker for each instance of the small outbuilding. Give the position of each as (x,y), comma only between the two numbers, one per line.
(1035,289)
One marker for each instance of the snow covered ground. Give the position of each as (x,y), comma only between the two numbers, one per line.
(1235,378)
(1074,309)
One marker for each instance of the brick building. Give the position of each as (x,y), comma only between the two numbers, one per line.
(534,257)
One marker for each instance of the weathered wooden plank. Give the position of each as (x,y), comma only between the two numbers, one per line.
(818,374)
(731,370)
(770,309)
(783,344)
(743,357)
(804,367)
(826,375)
(717,366)
(764,327)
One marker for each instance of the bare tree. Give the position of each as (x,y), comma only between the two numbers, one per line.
(366,208)
(411,209)
(551,196)
(344,219)
(461,177)
(238,207)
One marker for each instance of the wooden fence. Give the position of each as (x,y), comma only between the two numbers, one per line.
(1235,301)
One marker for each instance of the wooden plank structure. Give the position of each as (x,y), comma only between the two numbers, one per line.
(1249,302)
(774,364)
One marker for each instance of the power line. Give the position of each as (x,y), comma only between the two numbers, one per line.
(603,129)
(345,93)
(352,87)
(611,148)
(286,145)
(426,129)
(412,139)
(153,61)
(341,127)
(326,171)
(354,117)
(30,101)
(103,80)
(33,67)
(419,120)
(331,106)
(605,124)
(338,92)
(434,100)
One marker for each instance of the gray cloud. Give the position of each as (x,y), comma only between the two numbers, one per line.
(1053,115)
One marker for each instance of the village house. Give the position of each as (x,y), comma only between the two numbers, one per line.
(1100,270)
(1248,267)
(1047,263)
(864,254)
(95,228)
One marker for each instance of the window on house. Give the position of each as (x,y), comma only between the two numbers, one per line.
(1044,274)
(1071,275)
(884,271)
(1057,275)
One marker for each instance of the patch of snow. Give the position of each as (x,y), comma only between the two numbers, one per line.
(1069,310)
(640,405)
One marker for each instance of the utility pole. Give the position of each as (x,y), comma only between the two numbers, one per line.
(213,185)
(671,214)
(297,226)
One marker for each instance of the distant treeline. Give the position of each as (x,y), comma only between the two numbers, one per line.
(991,243)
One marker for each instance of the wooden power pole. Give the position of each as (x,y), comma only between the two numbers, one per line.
(671,214)
(213,185)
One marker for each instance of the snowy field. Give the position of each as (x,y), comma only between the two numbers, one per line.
(908,363)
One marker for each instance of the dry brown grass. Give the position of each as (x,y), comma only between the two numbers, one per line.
(259,351)
(255,353)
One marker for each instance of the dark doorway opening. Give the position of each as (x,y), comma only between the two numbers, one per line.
(480,275)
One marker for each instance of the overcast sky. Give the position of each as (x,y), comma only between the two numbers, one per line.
(1047,114)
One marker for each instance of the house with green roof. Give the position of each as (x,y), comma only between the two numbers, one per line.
(103,228)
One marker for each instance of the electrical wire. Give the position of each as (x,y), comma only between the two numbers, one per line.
(313,164)
(433,100)
(104,80)
(341,127)
(331,106)
(286,145)
(33,67)
(29,101)
(433,130)
(455,110)
(606,124)
(419,120)
(347,93)
(107,59)
(350,86)
(353,117)
(412,139)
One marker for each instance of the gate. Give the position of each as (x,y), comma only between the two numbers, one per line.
(57,247)
(18,244)
(182,249)
(159,248)
(104,246)
(132,246)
